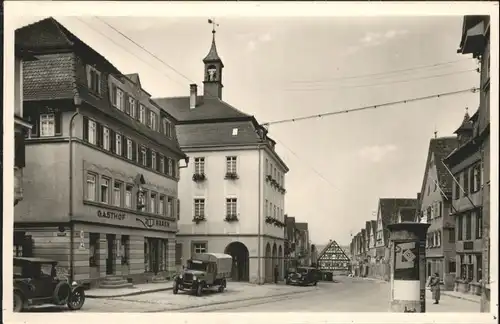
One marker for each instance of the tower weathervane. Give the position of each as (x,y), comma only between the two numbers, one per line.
(214,24)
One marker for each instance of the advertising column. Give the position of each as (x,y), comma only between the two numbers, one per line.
(408,267)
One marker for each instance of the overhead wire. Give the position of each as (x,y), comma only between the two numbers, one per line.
(360,76)
(392,103)
(308,165)
(387,83)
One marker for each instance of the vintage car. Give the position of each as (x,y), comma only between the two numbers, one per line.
(303,276)
(36,283)
(203,271)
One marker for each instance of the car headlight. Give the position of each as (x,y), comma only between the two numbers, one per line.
(180,276)
(74,283)
(194,278)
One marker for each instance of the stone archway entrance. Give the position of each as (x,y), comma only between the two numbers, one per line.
(280,262)
(268,264)
(275,259)
(241,263)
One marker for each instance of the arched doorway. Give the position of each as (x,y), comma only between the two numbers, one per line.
(275,259)
(241,265)
(268,264)
(280,262)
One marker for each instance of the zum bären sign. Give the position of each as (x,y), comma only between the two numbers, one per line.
(110,215)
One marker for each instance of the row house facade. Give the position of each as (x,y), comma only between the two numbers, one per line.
(21,125)
(475,40)
(466,166)
(290,243)
(435,207)
(232,195)
(102,164)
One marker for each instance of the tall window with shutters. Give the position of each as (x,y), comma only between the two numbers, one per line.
(142,156)
(91,187)
(142,114)
(170,167)
(94,80)
(118,145)
(129,149)
(153,160)
(105,138)
(92,132)
(170,207)
(178,209)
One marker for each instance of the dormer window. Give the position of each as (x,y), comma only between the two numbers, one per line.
(118,97)
(235,131)
(94,80)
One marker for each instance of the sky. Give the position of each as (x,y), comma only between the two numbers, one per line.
(278,68)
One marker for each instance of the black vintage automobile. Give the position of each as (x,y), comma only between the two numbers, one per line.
(35,284)
(303,276)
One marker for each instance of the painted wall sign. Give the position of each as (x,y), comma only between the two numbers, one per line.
(110,215)
(149,222)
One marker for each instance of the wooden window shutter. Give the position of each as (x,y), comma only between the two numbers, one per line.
(148,157)
(127,103)
(113,94)
(178,209)
(112,139)
(99,134)
(85,128)
(134,151)
(58,123)
(20,153)
(124,146)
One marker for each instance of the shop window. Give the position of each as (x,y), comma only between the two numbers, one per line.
(125,249)
(452,266)
(163,252)
(93,249)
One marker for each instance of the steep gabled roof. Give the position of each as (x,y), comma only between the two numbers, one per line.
(440,148)
(332,257)
(206,109)
(134,77)
(374,227)
(389,209)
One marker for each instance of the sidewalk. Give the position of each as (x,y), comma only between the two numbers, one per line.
(448,293)
(459,295)
(138,289)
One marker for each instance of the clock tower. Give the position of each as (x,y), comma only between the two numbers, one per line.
(212,82)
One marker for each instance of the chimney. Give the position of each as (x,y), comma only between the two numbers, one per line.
(193,95)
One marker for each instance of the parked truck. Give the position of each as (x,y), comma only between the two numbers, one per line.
(204,271)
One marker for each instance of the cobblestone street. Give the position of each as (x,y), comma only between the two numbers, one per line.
(346,295)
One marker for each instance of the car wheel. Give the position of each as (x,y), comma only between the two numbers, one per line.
(221,289)
(18,302)
(62,292)
(199,289)
(77,299)
(315,283)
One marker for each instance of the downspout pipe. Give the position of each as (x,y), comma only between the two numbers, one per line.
(77,102)
(259,255)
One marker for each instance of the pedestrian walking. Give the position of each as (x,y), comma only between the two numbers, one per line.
(276,274)
(434,283)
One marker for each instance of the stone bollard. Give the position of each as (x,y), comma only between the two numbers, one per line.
(407,271)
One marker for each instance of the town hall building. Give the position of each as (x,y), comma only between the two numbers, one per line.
(232,195)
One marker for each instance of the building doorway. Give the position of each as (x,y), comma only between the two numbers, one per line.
(152,255)
(111,256)
(241,265)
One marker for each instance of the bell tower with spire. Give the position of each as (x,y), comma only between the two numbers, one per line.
(212,82)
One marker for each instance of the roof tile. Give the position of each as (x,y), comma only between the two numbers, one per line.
(216,134)
(206,109)
(50,77)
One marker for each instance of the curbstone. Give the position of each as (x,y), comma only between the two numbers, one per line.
(461,297)
(135,293)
